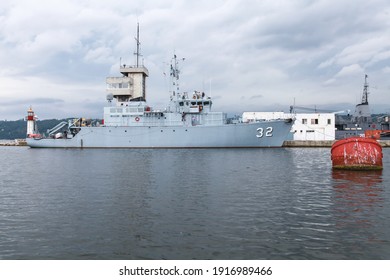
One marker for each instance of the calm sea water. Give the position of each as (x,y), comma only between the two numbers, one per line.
(190,204)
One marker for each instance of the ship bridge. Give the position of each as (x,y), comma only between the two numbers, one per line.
(199,103)
(130,87)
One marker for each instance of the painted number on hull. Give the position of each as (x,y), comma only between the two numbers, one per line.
(268,132)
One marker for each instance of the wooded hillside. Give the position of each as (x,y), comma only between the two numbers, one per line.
(17,129)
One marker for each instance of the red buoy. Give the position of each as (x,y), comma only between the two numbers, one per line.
(357,153)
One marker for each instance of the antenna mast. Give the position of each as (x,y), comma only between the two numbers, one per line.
(137,53)
(365,91)
(175,74)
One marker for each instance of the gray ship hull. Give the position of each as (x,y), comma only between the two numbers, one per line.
(241,135)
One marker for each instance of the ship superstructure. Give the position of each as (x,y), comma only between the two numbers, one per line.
(362,114)
(360,121)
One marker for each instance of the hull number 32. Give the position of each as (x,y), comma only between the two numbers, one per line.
(267,132)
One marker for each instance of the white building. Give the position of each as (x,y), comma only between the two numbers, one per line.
(307,126)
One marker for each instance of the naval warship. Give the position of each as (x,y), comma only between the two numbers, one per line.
(187,122)
(361,123)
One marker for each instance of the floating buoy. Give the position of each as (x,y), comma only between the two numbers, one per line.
(357,153)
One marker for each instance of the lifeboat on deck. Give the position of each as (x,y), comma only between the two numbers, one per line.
(357,153)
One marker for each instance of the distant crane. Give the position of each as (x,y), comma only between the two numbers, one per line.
(342,112)
(315,110)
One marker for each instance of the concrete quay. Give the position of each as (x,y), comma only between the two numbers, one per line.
(308,143)
(321,143)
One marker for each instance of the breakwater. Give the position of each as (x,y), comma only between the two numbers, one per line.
(16,142)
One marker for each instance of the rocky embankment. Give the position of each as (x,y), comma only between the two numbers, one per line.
(16,142)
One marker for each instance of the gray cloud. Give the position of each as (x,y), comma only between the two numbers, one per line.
(44,100)
(58,53)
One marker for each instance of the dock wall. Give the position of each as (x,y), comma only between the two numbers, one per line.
(308,143)
(321,143)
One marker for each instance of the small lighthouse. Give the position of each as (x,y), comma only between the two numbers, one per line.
(31,125)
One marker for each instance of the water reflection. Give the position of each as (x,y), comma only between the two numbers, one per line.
(358,198)
(358,188)
(362,177)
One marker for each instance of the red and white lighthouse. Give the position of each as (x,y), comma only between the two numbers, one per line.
(31,123)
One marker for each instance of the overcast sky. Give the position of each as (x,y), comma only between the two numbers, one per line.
(259,55)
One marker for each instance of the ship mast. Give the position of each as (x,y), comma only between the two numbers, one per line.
(132,85)
(362,111)
(137,53)
(365,92)
(175,74)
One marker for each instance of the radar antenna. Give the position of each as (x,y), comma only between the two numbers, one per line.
(175,73)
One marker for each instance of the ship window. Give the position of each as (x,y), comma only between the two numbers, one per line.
(304,121)
(181,103)
(314,121)
(206,103)
(193,103)
(118,85)
(329,121)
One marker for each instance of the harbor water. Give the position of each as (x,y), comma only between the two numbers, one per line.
(283,203)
